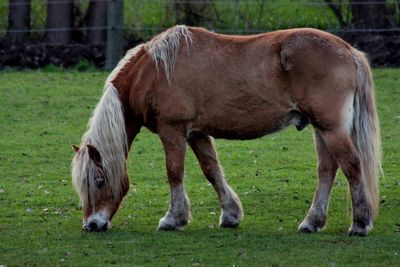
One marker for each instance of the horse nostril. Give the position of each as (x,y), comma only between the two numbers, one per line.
(93,226)
(90,226)
(104,227)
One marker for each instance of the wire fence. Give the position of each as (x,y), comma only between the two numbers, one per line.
(102,44)
(144,18)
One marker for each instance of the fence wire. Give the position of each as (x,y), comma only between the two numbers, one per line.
(144,18)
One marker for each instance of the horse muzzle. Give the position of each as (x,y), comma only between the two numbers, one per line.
(96,226)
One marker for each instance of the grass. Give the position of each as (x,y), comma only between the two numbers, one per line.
(43,113)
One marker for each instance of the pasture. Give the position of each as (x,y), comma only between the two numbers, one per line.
(43,113)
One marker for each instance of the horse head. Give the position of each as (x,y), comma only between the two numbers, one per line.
(99,194)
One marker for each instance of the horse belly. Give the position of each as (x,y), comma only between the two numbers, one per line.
(249,121)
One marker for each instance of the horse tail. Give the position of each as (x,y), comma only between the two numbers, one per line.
(366,131)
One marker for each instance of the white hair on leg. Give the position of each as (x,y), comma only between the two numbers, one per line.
(232,210)
(317,214)
(231,207)
(178,215)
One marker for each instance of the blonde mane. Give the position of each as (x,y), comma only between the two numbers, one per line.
(164,48)
(122,63)
(106,127)
(106,132)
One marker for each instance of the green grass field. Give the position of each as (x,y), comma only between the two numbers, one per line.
(43,113)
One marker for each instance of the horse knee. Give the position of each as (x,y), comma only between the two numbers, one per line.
(175,173)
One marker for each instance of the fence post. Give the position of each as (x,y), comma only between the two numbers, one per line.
(115,33)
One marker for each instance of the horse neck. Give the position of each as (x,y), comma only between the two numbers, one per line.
(123,81)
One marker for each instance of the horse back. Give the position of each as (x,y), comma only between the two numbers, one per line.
(240,86)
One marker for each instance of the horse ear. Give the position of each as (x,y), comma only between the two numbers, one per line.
(75,148)
(94,154)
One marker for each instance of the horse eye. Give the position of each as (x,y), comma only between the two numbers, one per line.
(99,180)
(99,177)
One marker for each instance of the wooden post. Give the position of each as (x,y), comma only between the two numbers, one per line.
(19,19)
(115,33)
(59,21)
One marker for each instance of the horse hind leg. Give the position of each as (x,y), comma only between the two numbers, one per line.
(231,207)
(340,145)
(317,216)
(174,144)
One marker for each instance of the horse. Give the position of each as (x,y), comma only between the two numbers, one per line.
(190,85)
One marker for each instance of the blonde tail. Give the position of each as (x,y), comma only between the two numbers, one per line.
(366,131)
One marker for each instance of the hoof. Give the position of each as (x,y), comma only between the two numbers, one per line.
(229,221)
(313,225)
(359,231)
(306,227)
(232,213)
(168,223)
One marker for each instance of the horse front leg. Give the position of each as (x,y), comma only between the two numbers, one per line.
(232,211)
(174,144)
(317,216)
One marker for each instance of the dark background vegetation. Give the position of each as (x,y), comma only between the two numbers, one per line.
(34,34)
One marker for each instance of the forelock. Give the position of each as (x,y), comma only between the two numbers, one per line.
(83,176)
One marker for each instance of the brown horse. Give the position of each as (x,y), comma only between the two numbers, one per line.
(189,85)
